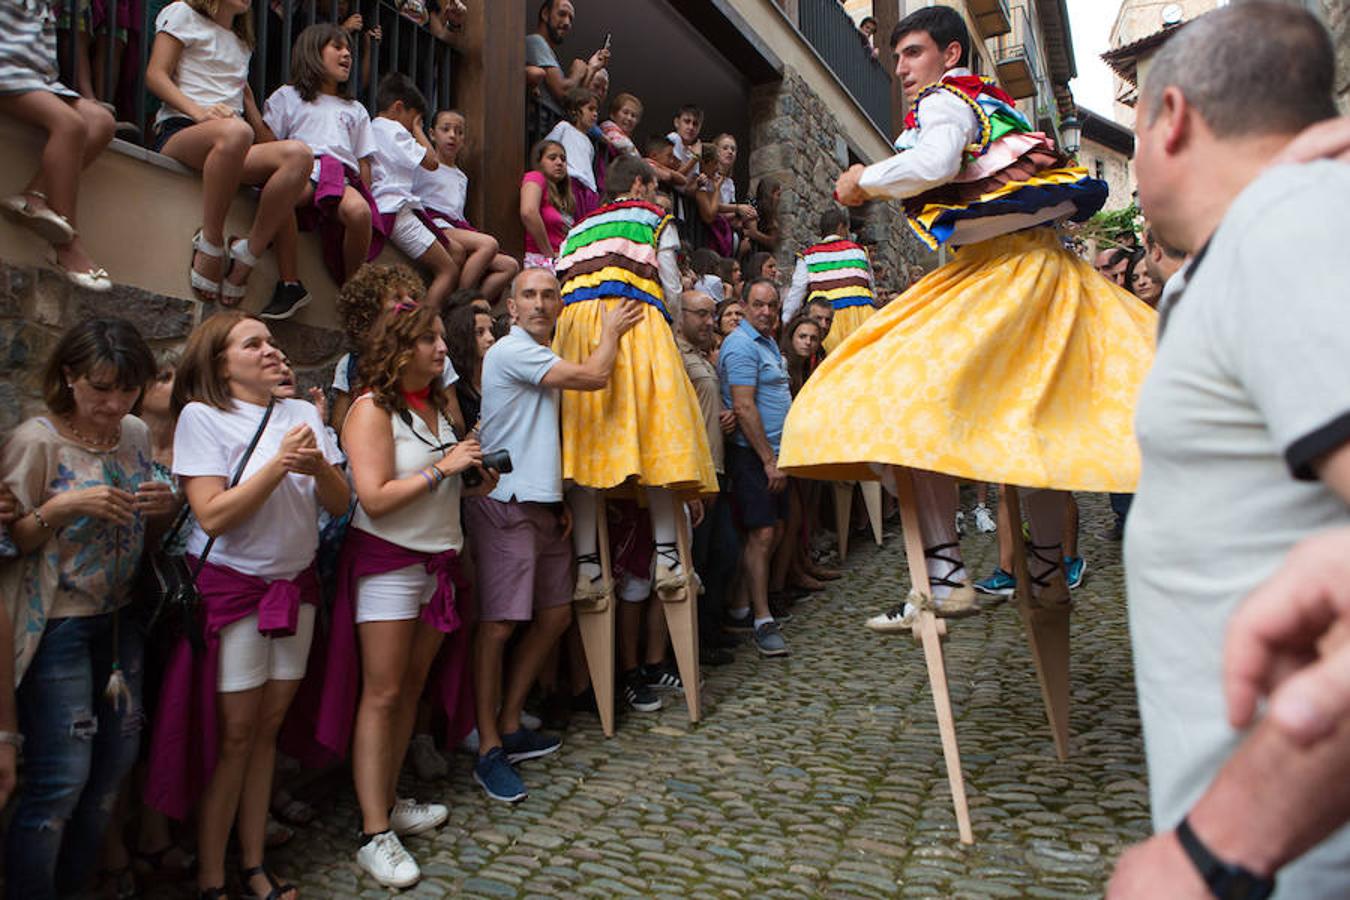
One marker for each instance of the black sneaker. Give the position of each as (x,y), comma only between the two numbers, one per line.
(637,694)
(287,299)
(715,656)
(662,677)
(744,624)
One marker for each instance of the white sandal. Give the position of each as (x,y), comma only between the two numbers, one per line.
(208,289)
(47,224)
(231,294)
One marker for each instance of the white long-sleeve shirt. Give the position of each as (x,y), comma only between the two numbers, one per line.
(935,150)
(796,292)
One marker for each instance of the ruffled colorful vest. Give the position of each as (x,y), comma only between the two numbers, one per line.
(839,271)
(612,253)
(1011,171)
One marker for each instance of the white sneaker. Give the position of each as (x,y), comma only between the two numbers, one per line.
(409,817)
(893,621)
(427,762)
(984,520)
(960,522)
(384,859)
(530,722)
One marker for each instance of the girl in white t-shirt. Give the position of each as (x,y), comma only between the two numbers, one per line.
(574,134)
(265,531)
(210,122)
(317,108)
(399,564)
(443,192)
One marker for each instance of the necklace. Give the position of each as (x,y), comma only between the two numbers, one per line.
(92,441)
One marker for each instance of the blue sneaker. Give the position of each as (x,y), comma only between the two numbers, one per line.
(497,777)
(525,744)
(1075,567)
(999,584)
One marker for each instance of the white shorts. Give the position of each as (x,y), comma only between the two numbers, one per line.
(633,590)
(249,660)
(410,234)
(394,596)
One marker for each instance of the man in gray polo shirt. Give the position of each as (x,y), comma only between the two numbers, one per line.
(1244,427)
(519,532)
(552,25)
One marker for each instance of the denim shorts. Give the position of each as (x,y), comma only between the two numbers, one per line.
(168,128)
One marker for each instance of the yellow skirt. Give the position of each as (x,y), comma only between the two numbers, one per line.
(645,425)
(846,321)
(1016,363)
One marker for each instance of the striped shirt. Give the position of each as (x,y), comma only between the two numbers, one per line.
(613,253)
(835,268)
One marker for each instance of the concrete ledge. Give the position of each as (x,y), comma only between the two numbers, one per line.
(137,213)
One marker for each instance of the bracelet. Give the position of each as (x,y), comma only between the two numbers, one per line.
(37,517)
(431,483)
(12,737)
(440,476)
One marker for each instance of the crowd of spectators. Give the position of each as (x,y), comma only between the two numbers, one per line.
(349,500)
(447,575)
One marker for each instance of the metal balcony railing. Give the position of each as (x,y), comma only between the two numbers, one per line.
(405,46)
(1017,57)
(833,34)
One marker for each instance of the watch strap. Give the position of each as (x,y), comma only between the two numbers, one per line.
(1225,880)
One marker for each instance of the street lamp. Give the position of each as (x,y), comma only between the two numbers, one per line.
(1070,135)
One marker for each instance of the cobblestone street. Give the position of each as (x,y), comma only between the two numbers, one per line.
(820,775)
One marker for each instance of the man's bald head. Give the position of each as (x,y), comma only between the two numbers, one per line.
(698,312)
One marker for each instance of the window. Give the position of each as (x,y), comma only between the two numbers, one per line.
(1099,167)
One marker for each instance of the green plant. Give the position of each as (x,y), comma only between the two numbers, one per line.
(1116,228)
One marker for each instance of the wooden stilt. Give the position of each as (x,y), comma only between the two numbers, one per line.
(871,492)
(682,621)
(843,510)
(597,629)
(928,631)
(1047,630)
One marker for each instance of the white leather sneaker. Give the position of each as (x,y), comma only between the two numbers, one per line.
(384,859)
(409,817)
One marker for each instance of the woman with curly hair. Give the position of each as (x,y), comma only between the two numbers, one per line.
(370,292)
(399,578)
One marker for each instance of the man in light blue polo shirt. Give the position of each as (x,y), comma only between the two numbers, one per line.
(754,381)
(520,530)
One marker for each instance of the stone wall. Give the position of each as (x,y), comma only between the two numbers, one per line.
(37,305)
(796,139)
(1336,14)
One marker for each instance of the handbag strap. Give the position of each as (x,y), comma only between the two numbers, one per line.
(238,474)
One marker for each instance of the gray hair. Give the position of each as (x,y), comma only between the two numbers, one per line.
(1252,69)
(511,288)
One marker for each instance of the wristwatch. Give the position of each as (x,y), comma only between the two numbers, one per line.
(1225,880)
(12,737)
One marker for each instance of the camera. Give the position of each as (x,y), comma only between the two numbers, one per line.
(499,460)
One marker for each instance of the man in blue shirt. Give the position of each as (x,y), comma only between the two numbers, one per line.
(754,381)
(521,529)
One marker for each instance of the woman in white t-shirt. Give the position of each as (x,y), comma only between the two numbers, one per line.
(443,192)
(210,122)
(317,108)
(257,585)
(400,565)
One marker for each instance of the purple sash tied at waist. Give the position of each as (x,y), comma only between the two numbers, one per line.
(326,706)
(184,744)
(321,214)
